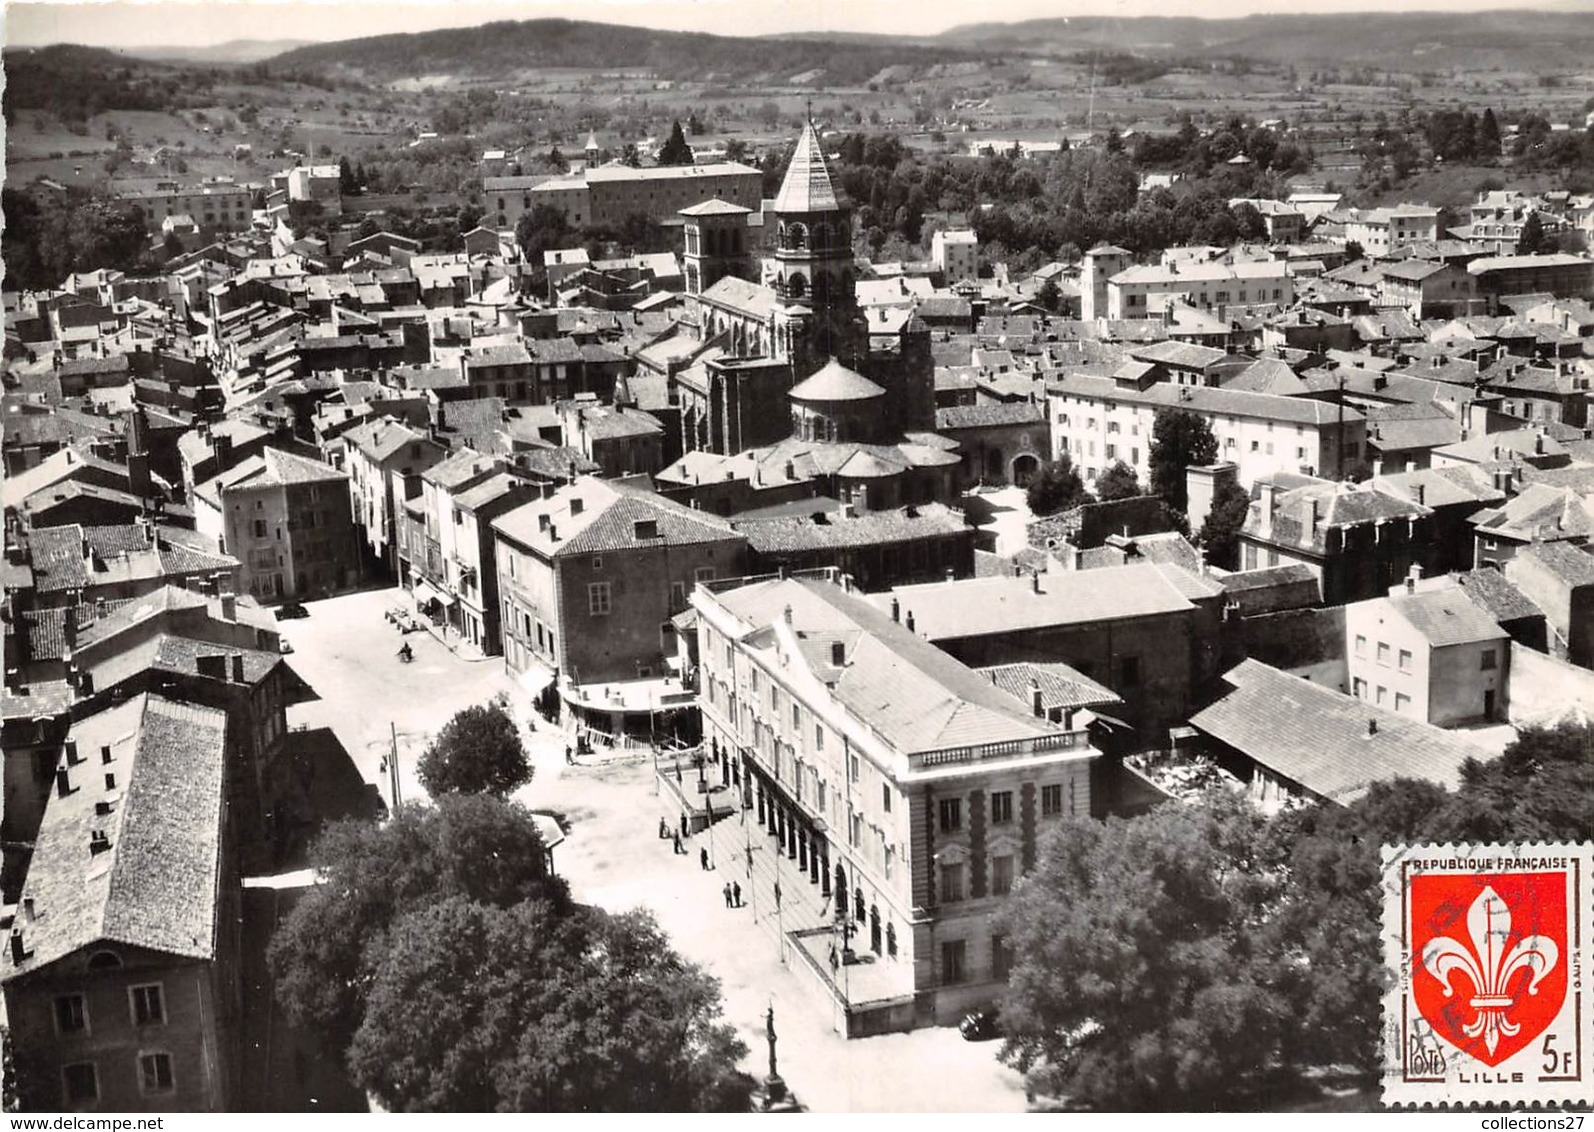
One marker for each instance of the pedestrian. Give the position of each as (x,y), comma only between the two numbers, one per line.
(678,849)
(664,830)
(727,896)
(702,856)
(834,964)
(736,894)
(777,894)
(570,755)
(684,830)
(749,860)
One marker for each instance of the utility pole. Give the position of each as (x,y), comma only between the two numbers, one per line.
(393,766)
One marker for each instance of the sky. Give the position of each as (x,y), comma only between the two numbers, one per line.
(122,24)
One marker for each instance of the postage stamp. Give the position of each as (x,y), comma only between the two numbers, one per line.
(1488,948)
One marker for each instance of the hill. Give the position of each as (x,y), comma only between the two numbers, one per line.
(1533,41)
(75,83)
(505,49)
(233,52)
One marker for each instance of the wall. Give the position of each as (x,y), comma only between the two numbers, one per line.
(1458,682)
(1545,690)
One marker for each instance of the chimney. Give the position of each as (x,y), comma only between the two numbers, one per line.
(951,574)
(786,614)
(237,668)
(1372,728)
(99,842)
(1420,491)
(896,609)
(19,950)
(1538,444)
(229,606)
(909,622)
(63,782)
(1316,514)
(1036,701)
(1035,581)
(1378,466)
(28,909)
(1269,498)
(85,684)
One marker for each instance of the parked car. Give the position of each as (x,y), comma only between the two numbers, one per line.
(981,1025)
(291,610)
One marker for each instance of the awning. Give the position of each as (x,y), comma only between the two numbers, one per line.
(1111,721)
(425,594)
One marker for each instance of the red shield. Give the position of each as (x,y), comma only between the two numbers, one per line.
(1489,958)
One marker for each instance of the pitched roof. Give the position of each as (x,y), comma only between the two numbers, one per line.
(1494,593)
(807,186)
(872,528)
(835,382)
(1567,562)
(592,516)
(1061,686)
(990,414)
(1319,738)
(976,607)
(157,885)
(916,697)
(1444,617)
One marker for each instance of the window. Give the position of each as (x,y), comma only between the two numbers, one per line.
(598,599)
(1001,957)
(259,527)
(951,814)
(1405,660)
(1358,688)
(819,737)
(1051,800)
(1383,654)
(1001,807)
(1488,661)
(155,1072)
(81,1082)
(703,574)
(1002,875)
(854,767)
(1129,671)
(1361,646)
(71,1014)
(885,797)
(951,883)
(597,562)
(1402,702)
(677,595)
(953,954)
(1382,691)
(148,1008)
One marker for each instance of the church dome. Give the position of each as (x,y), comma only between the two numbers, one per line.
(835,382)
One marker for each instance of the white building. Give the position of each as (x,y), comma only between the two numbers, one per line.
(1381,231)
(1145,290)
(1100,420)
(956,254)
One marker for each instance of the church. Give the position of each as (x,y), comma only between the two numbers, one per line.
(793,393)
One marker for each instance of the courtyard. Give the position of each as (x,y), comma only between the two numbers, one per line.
(612,857)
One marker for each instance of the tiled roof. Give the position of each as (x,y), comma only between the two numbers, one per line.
(1492,592)
(1444,617)
(380,439)
(156,886)
(1540,512)
(1319,738)
(1061,686)
(1205,399)
(592,516)
(1567,562)
(916,697)
(990,414)
(749,298)
(872,528)
(979,607)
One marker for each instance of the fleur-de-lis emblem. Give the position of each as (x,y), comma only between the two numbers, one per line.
(1489,966)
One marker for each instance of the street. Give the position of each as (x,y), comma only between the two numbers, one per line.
(612,858)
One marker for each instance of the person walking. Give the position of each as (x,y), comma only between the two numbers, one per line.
(728,896)
(702,856)
(777,895)
(736,894)
(684,829)
(678,849)
(570,755)
(664,830)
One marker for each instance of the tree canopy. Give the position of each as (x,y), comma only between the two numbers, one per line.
(1056,487)
(1220,534)
(675,150)
(1119,481)
(1179,439)
(1188,957)
(479,751)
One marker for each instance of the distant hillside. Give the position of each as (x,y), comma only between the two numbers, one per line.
(505,49)
(1404,41)
(75,82)
(234,51)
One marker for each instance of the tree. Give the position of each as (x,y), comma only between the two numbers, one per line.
(1532,237)
(629,156)
(557,162)
(1488,135)
(735,150)
(1056,487)
(479,751)
(476,1008)
(1050,296)
(1220,534)
(1138,979)
(347,183)
(694,124)
(1118,482)
(1179,439)
(1354,251)
(675,151)
(324,953)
